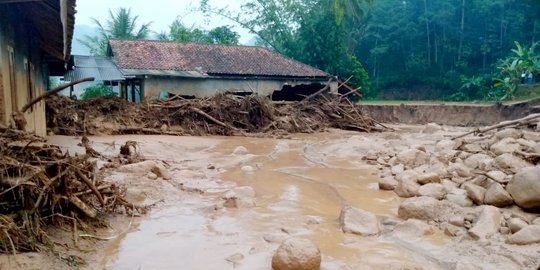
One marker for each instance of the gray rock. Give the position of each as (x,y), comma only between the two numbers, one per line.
(536,221)
(510,162)
(459,197)
(478,161)
(433,190)
(413,227)
(449,185)
(482,181)
(412,157)
(452,230)
(516,224)
(475,192)
(358,221)
(427,208)
(407,188)
(498,176)
(488,223)
(472,148)
(457,220)
(459,169)
(507,145)
(398,169)
(297,254)
(428,178)
(496,195)
(508,133)
(526,236)
(525,188)
(387,183)
(408,175)
(446,145)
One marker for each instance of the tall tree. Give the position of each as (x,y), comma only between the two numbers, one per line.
(181,33)
(121,25)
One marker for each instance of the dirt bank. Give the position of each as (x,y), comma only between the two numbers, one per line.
(205,216)
(453,114)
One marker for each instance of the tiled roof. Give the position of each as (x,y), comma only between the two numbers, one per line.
(209,58)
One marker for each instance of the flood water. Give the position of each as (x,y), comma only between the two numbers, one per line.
(301,186)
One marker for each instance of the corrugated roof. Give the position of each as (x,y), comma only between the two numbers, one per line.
(101,68)
(207,58)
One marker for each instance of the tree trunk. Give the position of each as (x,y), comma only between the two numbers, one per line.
(461,32)
(427,34)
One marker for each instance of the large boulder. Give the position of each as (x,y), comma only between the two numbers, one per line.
(427,208)
(488,223)
(413,227)
(509,162)
(297,254)
(358,221)
(525,188)
(433,190)
(407,188)
(507,145)
(459,169)
(412,157)
(496,195)
(387,183)
(480,161)
(459,196)
(428,178)
(498,176)
(516,224)
(526,236)
(509,133)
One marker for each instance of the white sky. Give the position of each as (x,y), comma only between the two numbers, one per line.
(160,12)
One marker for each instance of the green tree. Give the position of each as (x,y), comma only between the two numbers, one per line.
(223,35)
(181,33)
(523,59)
(98,90)
(120,25)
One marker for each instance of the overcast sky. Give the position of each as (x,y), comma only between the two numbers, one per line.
(160,12)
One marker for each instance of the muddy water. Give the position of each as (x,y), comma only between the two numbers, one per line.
(301,188)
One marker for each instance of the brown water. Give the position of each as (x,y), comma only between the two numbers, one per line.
(300,186)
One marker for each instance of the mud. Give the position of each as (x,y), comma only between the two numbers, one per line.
(453,114)
(301,184)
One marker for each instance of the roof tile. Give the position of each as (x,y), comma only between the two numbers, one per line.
(210,58)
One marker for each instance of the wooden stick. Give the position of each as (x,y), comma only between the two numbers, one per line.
(90,185)
(325,88)
(89,211)
(209,117)
(54,91)
(500,125)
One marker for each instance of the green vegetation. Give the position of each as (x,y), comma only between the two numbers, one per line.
(219,35)
(121,25)
(99,90)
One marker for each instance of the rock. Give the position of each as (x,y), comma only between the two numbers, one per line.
(297,254)
(436,167)
(431,128)
(459,169)
(508,133)
(505,230)
(162,172)
(433,190)
(427,208)
(510,162)
(358,221)
(488,223)
(139,168)
(472,148)
(457,220)
(387,183)
(478,161)
(482,181)
(164,128)
(240,150)
(407,188)
(459,197)
(152,176)
(445,145)
(526,236)
(239,197)
(452,230)
(398,169)
(428,178)
(247,168)
(476,193)
(449,185)
(536,221)
(413,227)
(235,259)
(496,195)
(497,176)
(409,175)
(516,224)
(412,157)
(507,145)
(525,188)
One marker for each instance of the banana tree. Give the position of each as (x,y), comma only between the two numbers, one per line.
(523,59)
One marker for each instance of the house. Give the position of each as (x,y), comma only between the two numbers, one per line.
(154,68)
(101,68)
(35,42)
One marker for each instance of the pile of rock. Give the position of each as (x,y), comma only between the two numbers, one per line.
(469,185)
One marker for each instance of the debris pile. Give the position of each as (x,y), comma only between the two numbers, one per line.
(222,114)
(41,185)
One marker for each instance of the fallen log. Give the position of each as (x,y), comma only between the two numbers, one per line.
(500,125)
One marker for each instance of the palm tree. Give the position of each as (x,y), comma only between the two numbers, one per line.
(347,9)
(121,24)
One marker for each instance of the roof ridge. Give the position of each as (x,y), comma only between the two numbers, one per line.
(189,42)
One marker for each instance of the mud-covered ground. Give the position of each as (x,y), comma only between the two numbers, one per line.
(228,202)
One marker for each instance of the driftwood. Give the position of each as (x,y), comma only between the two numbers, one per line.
(54,91)
(520,121)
